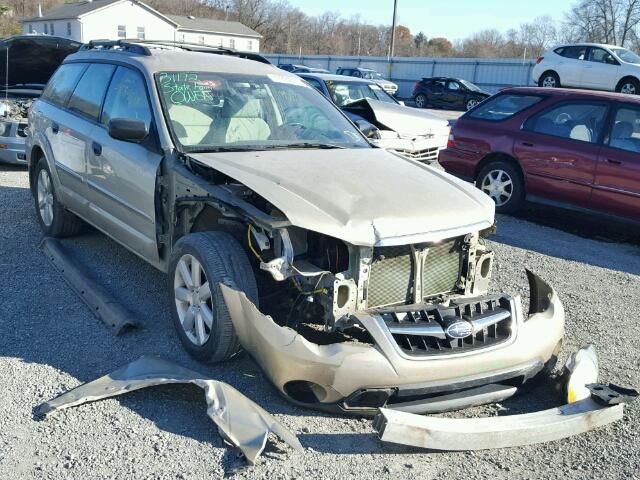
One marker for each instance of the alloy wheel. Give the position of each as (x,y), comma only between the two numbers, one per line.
(549,82)
(45,197)
(193,300)
(472,103)
(420,101)
(499,186)
(628,88)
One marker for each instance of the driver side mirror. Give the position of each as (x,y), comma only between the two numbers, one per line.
(128,129)
(368,129)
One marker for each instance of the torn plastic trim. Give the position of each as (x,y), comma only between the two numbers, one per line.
(540,293)
(240,421)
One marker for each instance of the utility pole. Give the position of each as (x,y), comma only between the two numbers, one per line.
(393,29)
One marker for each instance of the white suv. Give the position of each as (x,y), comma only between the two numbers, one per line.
(589,65)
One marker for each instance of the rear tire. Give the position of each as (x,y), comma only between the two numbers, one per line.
(630,86)
(471,103)
(54,219)
(199,263)
(549,80)
(503,183)
(421,101)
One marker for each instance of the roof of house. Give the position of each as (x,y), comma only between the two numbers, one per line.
(78,9)
(71,10)
(211,25)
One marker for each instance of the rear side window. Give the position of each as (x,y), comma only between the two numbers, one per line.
(88,95)
(503,107)
(582,121)
(576,52)
(127,98)
(63,82)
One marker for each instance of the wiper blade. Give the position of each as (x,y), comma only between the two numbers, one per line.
(320,146)
(219,149)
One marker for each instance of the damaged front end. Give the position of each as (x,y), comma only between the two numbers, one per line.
(365,301)
(408,132)
(13,126)
(483,349)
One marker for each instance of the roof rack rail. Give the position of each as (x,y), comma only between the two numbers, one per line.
(116,44)
(198,47)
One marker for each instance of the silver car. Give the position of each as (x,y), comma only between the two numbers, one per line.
(354,277)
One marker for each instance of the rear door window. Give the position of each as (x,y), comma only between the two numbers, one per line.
(127,98)
(581,121)
(625,130)
(503,107)
(63,82)
(89,93)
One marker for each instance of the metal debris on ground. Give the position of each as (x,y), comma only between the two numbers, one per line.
(580,414)
(240,421)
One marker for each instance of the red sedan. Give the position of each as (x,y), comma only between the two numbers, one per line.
(571,148)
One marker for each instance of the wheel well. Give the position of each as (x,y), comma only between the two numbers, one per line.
(623,79)
(549,71)
(499,157)
(36,155)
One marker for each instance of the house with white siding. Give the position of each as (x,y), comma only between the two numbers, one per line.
(131,19)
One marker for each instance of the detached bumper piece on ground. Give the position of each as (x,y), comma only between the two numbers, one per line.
(240,421)
(101,303)
(591,405)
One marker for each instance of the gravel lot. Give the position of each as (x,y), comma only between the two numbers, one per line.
(50,343)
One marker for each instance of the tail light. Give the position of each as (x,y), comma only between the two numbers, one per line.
(451,142)
(416,86)
(539,60)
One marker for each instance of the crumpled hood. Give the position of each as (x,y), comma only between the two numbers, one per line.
(406,121)
(362,196)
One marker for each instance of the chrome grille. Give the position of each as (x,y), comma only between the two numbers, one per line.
(427,154)
(390,279)
(423,332)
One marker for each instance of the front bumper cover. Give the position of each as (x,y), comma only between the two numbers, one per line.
(360,378)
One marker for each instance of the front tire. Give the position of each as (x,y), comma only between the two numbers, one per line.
(549,80)
(421,101)
(54,219)
(503,183)
(630,86)
(199,263)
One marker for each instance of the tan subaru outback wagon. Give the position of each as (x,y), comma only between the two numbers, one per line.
(354,277)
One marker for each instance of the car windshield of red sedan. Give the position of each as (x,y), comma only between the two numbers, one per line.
(502,107)
(626,55)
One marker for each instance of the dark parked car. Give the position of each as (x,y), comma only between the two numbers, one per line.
(568,147)
(454,93)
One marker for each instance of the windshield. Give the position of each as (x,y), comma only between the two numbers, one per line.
(470,86)
(223,111)
(344,93)
(370,75)
(626,55)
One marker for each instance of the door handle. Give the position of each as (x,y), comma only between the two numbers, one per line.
(527,144)
(55,128)
(97,149)
(614,162)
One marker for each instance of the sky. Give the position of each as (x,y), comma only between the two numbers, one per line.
(453,19)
